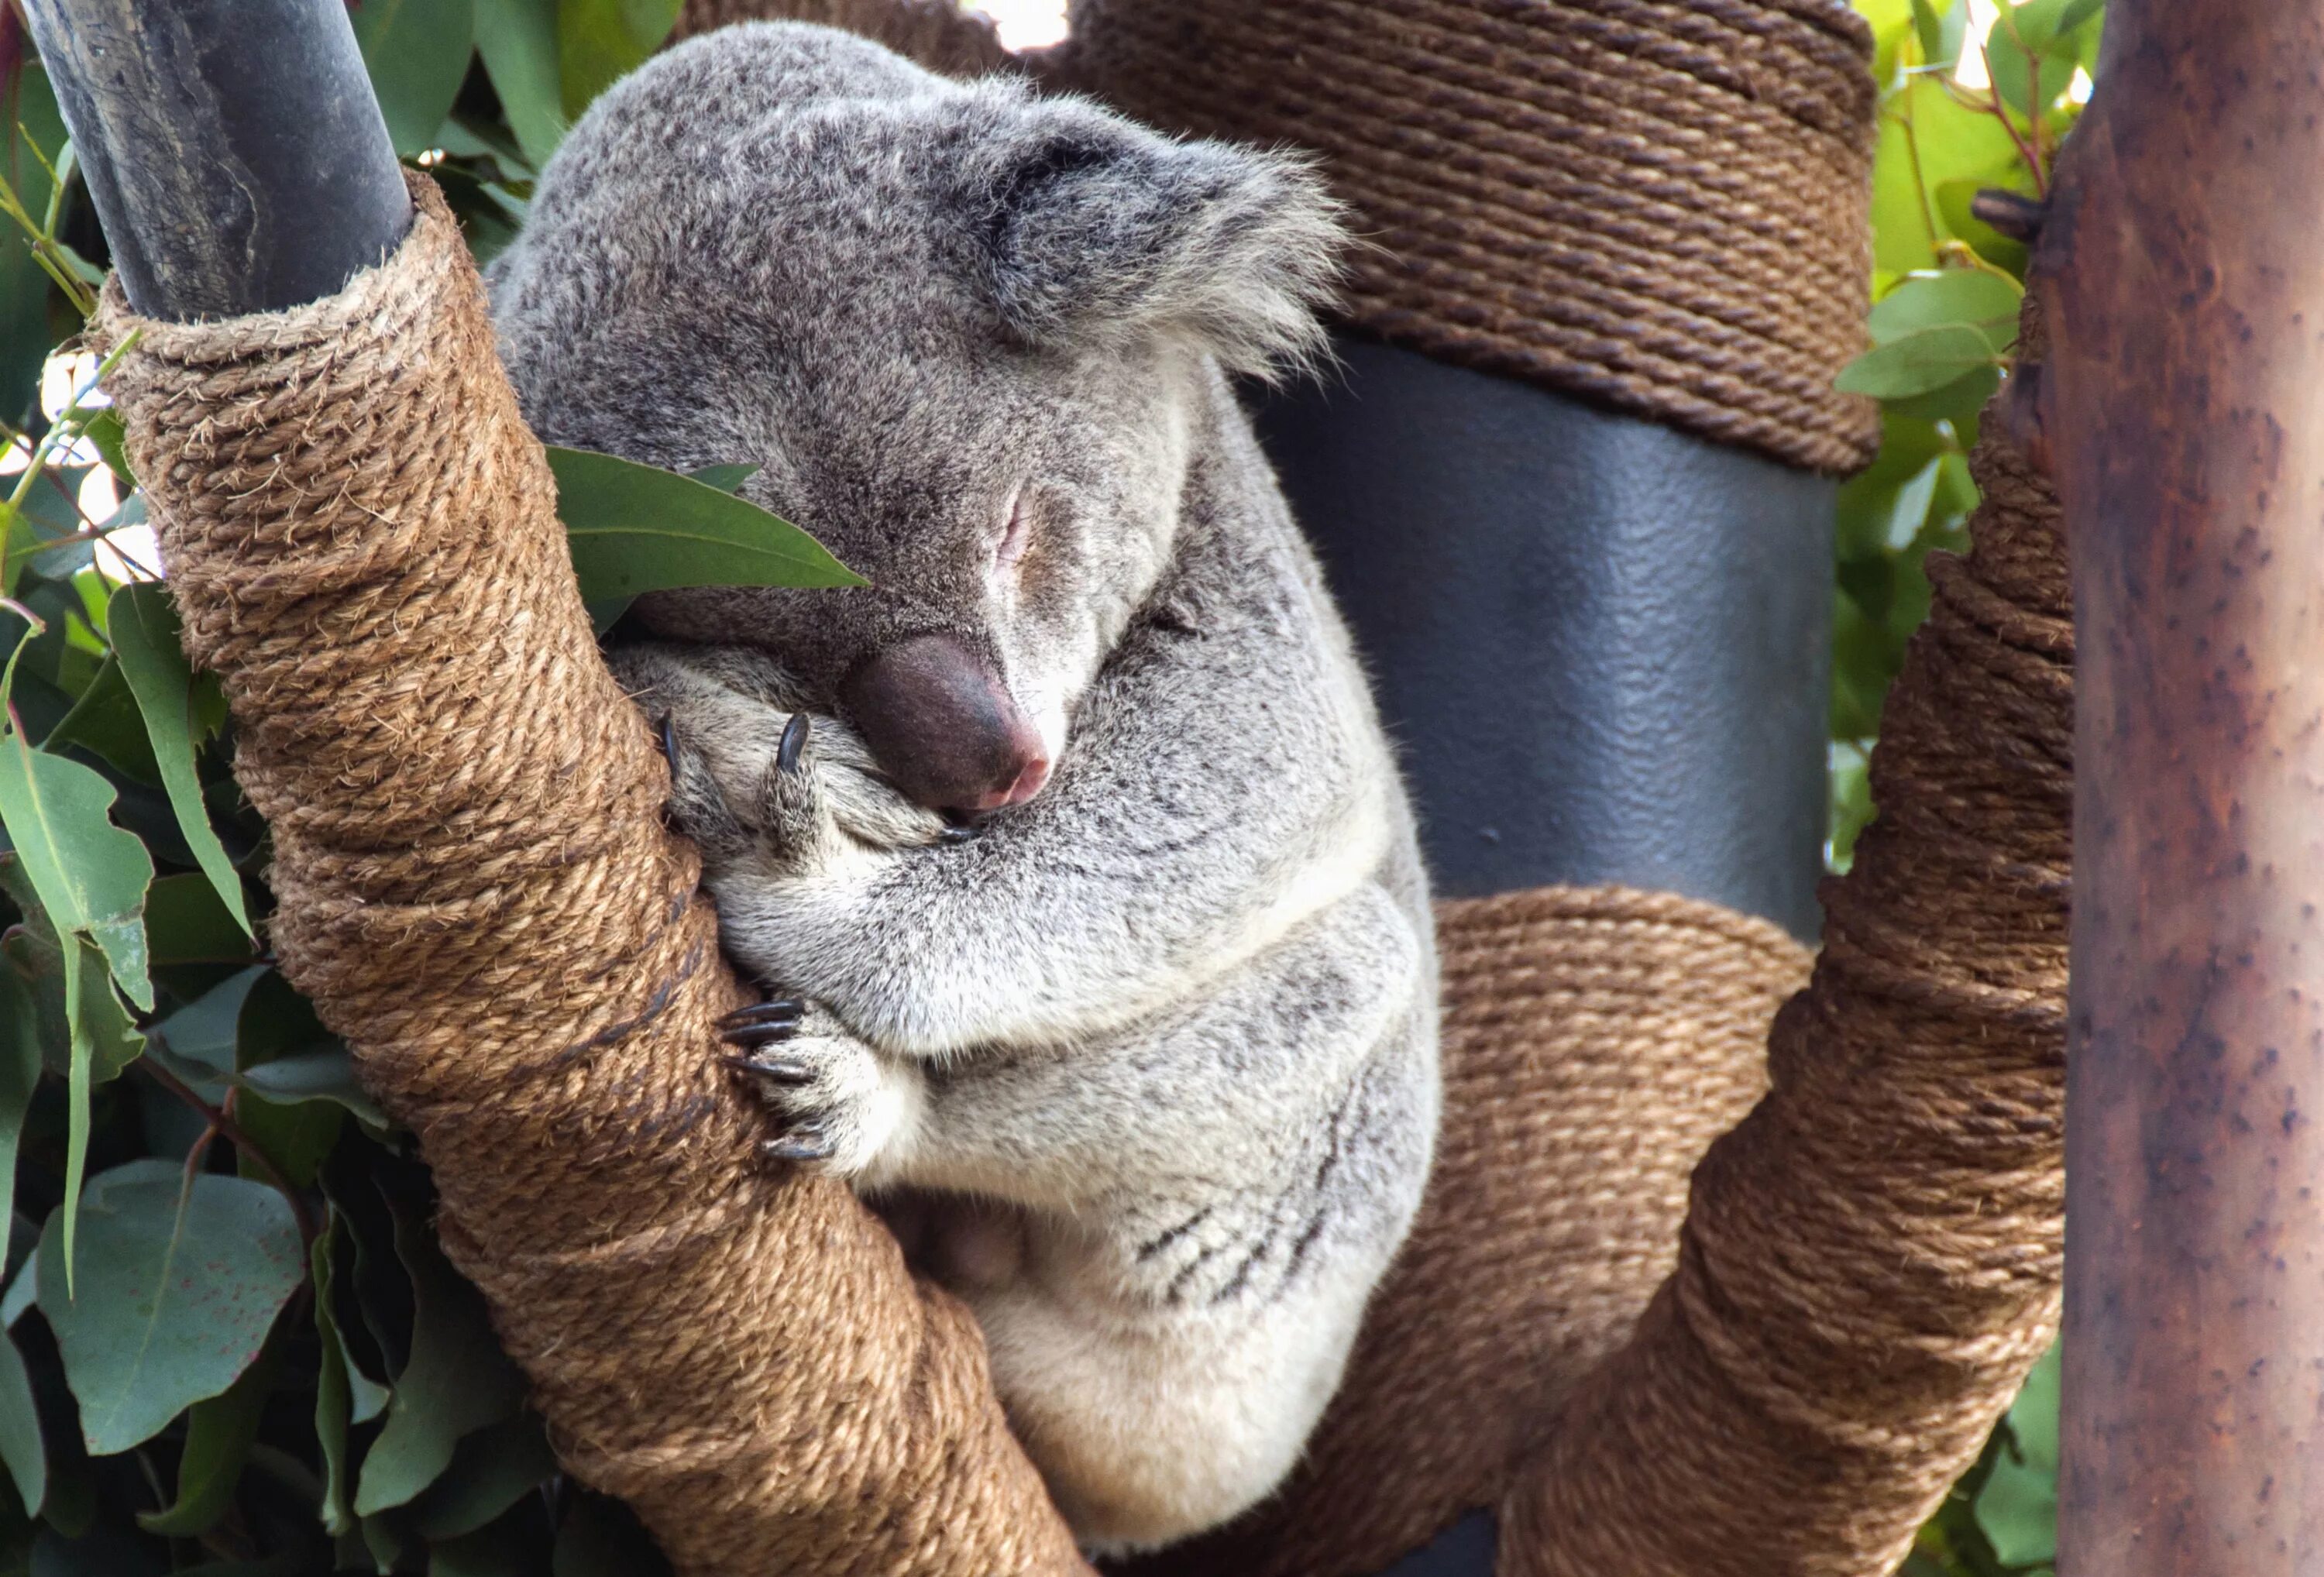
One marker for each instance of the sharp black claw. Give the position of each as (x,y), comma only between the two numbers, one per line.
(794,741)
(668,730)
(957,834)
(775,1070)
(779,1011)
(750,1036)
(801,1144)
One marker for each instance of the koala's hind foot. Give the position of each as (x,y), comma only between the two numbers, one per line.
(838,1104)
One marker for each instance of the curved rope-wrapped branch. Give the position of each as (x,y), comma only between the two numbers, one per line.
(476,890)
(1871,1260)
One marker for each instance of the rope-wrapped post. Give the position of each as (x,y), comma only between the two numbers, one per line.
(476,890)
(2180,408)
(1870,1262)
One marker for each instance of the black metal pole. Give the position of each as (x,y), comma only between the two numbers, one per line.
(1603,645)
(233,148)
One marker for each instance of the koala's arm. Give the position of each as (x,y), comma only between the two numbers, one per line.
(1211,1142)
(1225,779)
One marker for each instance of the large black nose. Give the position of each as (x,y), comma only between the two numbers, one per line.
(942,724)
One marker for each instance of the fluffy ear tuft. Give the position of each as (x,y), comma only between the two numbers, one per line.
(1090,228)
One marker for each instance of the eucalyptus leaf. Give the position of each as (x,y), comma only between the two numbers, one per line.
(724,478)
(491,1470)
(220,1434)
(20,1071)
(20,1446)
(637,529)
(1917,363)
(186,922)
(181,1283)
(600,42)
(207,1029)
(144,624)
(1941,31)
(518,41)
(1972,298)
(90,875)
(457,1381)
(325,1074)
(416,52)
(333,1394)
(105,720)
(2017,1506)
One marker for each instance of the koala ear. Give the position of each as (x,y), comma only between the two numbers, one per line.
(1091,228)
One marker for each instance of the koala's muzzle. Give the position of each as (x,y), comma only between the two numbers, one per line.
(942,724)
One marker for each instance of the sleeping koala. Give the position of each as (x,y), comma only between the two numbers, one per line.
(1071,853)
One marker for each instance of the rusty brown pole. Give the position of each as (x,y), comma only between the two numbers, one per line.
(2181,274)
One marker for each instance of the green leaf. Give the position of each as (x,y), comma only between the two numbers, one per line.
(2017,1506)
(104,430)
(518,40)
(492,1470)
(144,624)
(277,1022)
(219,1432)
(339,1384)
(89,878)
(416,52)
(20,1446)
(600,42)
(638,528)
(20,1074)
(25,331)
(1941,29)
(106,719)
(1957,402)
(90,875)
(724,478)
(180,1284)
(458,1380)
(1970,297)
(205,1029)
(186,923)
(327,1075)
(1916,363)
(1927,139)
(2030,65)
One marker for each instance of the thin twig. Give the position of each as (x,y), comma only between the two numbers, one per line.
(243,1143)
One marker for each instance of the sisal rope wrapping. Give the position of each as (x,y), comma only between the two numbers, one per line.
(476,890)
(1658,205)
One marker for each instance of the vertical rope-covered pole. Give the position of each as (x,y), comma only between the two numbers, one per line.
(2183,410)
(473,883)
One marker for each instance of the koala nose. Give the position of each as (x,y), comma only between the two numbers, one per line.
(942,724)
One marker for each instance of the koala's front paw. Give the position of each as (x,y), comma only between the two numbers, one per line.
(841,1107)
(790,799)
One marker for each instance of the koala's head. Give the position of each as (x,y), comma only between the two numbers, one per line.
(968,333)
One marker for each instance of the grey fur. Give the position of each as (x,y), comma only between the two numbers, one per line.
(1148,1064)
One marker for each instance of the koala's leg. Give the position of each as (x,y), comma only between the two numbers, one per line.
(1203,1203)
